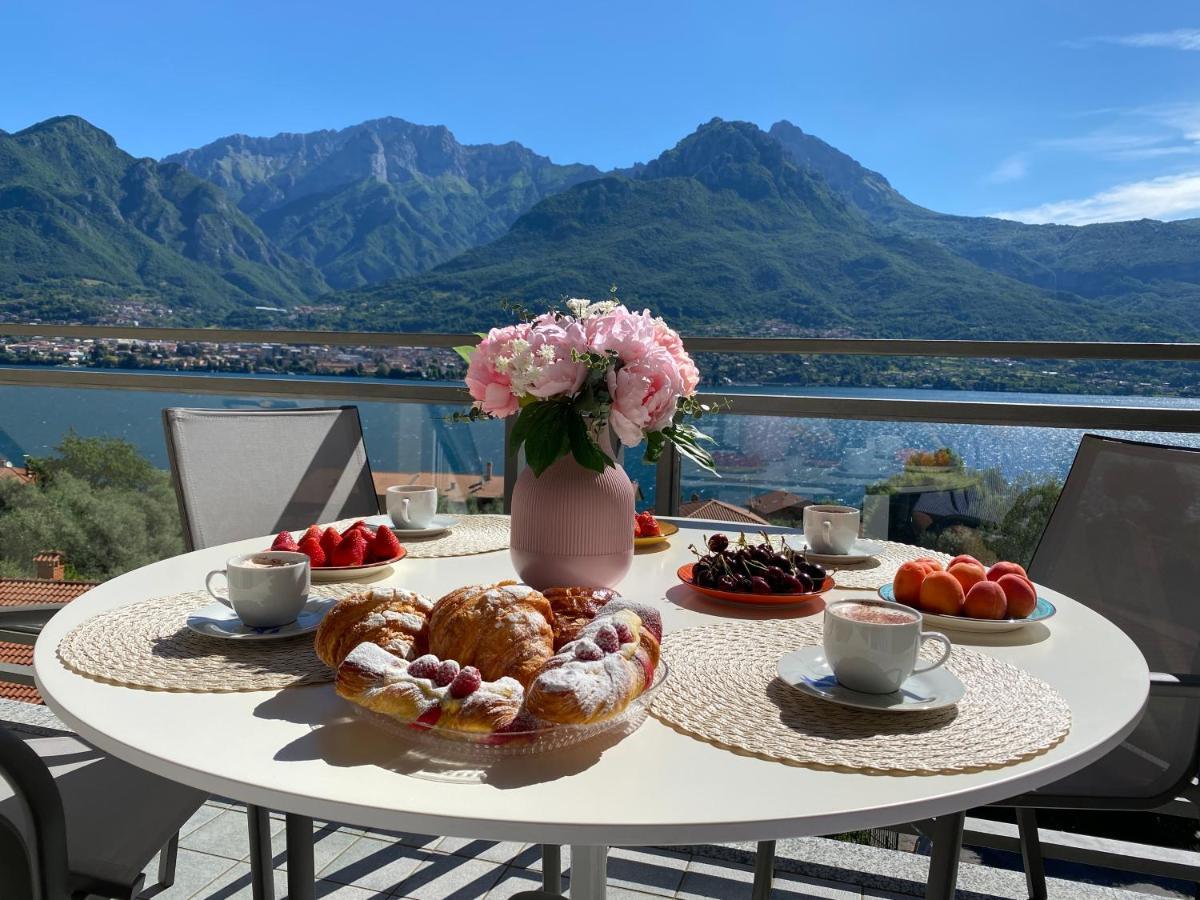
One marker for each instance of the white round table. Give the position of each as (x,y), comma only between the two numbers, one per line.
(301,750)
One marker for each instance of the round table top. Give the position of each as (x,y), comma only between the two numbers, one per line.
(300,750)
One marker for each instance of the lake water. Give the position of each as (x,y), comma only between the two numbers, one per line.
(824,458)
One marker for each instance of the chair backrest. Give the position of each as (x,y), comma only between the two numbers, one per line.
(33,831)
(1124,539)
(242,473)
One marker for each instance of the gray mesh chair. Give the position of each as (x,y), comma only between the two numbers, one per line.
(1124,539)
(243,473)
(74,821)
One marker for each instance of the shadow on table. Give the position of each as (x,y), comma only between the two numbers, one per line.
(342,738)
(1034,633)
(684,597)
(819,718)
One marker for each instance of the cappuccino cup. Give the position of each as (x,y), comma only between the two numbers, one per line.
(265,589)
(872,645)
(412,505)
(831,530)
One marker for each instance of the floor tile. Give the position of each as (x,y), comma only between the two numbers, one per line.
(491,851)
(226,835)
(721,880)
(193,870)
(650,871)
(513,880)
(329,842)
(442,877)
(371,863)
(407,838)
(202,816)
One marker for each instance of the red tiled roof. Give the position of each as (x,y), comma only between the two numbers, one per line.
(17,655)
(720,511)
(19,591)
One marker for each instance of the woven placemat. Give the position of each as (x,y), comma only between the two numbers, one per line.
(875,573)
(723,689)
(473,534)
(148,645)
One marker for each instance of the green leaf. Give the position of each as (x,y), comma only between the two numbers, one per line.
(520,431)
(656,442)
(465,352)
(586,452)
(547,438)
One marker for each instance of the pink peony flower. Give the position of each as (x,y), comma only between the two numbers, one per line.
(552,345)
(644,395)
(668,338)
(630,335)
(490,371)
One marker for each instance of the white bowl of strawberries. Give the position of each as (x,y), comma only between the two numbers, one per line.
(342,555)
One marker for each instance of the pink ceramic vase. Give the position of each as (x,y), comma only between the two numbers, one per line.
(572,526)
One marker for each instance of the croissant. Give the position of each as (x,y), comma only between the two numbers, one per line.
(381,681)
(501,630)
(573,608)
(596,676)
(396,620)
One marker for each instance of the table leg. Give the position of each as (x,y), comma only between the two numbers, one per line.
(947,834)
(262,885)
(589,872)
(301,877)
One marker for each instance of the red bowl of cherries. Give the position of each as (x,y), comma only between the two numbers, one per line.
(767,573)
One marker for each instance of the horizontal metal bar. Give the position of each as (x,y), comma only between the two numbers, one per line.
(1158,352)
(243,336)
(306,388)
(16,674)
(1127,350)
(19,636)
(961,412)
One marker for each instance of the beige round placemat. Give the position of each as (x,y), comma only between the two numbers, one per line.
(473,534)
(148,645)
(880,570)
(723,689)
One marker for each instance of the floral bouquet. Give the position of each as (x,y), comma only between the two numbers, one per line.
(571,376)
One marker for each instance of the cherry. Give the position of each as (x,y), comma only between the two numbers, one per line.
(759,585)
(718,542)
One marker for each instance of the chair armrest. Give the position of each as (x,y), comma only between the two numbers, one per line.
(34,787)
(1164,685)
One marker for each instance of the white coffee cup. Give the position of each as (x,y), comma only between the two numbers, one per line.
(412,505)
(265,589)
(831,529)
(872,645)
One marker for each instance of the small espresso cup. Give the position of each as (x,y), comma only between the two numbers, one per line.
(831,529)
(265,589)
(412,505)
(872,645)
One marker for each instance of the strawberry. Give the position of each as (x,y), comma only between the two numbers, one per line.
(384,545)
(360,525)
(285,541)
(350,552)
(312,549)
(314,532)
(329,541)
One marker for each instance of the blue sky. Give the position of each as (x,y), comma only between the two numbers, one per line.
(1047,111)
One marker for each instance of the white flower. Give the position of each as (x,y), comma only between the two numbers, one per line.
(584,309)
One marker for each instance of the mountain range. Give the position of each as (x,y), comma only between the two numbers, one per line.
(392,225)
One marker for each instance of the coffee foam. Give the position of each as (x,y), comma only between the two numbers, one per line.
(874,614)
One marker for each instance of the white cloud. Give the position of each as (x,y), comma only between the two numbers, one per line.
(1178,39)
(1012,169)
(1168,197)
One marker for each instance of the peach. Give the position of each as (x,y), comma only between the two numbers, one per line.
(968,574)
(907,583)
(1020,593)
(985,600)
(941,593)
(1000,569)
(931,564)
(963,557)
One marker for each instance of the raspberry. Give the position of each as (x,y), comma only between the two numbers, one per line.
(624,633)
(606,638)
(445,673)
(587,650)
(424,666)
(465,682)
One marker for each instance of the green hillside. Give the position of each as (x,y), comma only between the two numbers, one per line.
(82,222)
(725,233)
(382,199)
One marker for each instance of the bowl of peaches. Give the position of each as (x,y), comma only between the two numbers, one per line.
(967,595)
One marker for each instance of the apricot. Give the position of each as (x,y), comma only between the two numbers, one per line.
(907,583)
(963,557)
(968,574)
(985,600)
(1000,569)
(941,593)
(1020,594)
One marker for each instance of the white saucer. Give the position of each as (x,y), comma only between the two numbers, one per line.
(219,621)
(439,525)
(861,551)
(806,670)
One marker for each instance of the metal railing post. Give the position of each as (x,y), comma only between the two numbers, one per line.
(667,487)
(510,464)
